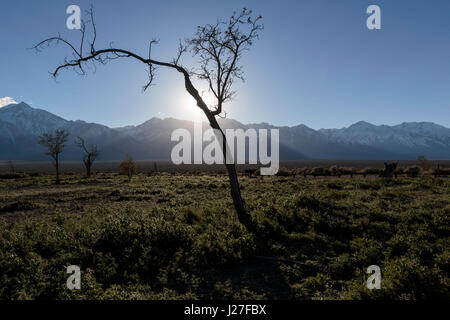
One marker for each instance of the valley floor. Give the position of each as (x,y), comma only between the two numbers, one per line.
(176,236)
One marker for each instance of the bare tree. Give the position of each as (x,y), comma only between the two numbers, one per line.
(55,145)
(90,154)
(219,48)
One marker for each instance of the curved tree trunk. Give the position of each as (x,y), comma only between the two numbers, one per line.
(242,214)
(88,164)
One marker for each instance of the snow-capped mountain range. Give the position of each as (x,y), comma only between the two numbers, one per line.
(20,126)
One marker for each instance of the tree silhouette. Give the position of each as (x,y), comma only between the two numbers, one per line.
(90,154)
(218,48)
(55,145)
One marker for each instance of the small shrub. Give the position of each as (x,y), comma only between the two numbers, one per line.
(128,167)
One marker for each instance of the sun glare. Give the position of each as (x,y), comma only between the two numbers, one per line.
(190,108)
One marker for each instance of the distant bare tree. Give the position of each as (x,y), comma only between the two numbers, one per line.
(219,48)
(55,145)
(90,154)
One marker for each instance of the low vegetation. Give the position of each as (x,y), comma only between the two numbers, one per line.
(128,167)
(175,236)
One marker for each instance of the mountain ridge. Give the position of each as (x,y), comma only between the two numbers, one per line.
(20,125)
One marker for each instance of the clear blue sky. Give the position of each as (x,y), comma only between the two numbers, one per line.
(316,62)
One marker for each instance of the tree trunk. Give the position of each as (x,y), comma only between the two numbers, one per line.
(88,166)
(238,203)
(57,168)
(242,214)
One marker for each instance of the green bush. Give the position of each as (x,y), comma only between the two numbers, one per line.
(313,239)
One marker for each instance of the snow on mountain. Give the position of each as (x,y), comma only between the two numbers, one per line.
(20,125)
(34,121)
(408,134)
(5,101)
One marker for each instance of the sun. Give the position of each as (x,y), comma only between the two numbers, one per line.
(190,108)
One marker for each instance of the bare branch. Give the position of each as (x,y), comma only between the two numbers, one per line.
(218,47)
(90,155)
(181,49)
(150,47)
(94,28)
